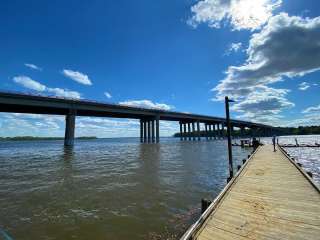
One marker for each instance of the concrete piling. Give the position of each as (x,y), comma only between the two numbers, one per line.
(70,129)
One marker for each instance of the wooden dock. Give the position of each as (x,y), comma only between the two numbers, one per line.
(271,197)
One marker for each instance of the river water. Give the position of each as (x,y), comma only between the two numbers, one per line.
(308,157)
(108,188)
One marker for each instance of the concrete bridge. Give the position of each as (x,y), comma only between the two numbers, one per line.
(149,118)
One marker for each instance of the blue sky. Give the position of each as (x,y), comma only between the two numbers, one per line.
(179,55)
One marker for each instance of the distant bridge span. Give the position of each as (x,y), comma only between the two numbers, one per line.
(149,118)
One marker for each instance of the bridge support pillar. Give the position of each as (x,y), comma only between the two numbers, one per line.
(206,130)
(144,131)
(181,137)
(141,130)
(184,131)
(210,131)
(214,131)
(149,130)
(152,131)
(157,129)
(189,131)
(69,129)
(198,130)
(217,131)
(222,130)
(242,131)
(254,132)
(193,132)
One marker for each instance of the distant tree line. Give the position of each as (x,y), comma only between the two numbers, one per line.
(310,130)
(283,131)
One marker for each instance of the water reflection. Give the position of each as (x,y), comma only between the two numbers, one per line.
(66,170)
(68,153)
(98,188)
(307,156)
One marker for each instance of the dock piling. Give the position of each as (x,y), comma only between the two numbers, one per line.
(205,203)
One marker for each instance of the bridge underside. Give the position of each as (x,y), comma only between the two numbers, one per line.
(190,124)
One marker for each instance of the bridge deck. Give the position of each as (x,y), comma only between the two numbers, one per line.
(269,199)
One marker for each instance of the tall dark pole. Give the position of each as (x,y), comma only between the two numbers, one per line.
(229,137)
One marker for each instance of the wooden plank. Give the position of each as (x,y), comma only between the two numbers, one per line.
(270,199)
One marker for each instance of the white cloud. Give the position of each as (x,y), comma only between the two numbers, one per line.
(263,105)
(234,47)
(241,14)
(315,109)
(33,66)
(147,104)
(29,83)
(64,93)
(109,127)
(311,118)
(108,95)
(304,86)
(18,124)
(271,56)
(77,76)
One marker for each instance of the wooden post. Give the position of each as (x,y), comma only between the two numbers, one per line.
(229,137)
(205,203)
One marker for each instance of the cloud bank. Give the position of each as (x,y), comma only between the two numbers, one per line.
(286,47)
(271,57)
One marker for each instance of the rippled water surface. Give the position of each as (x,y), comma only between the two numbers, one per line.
(309,157)
(108,189)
